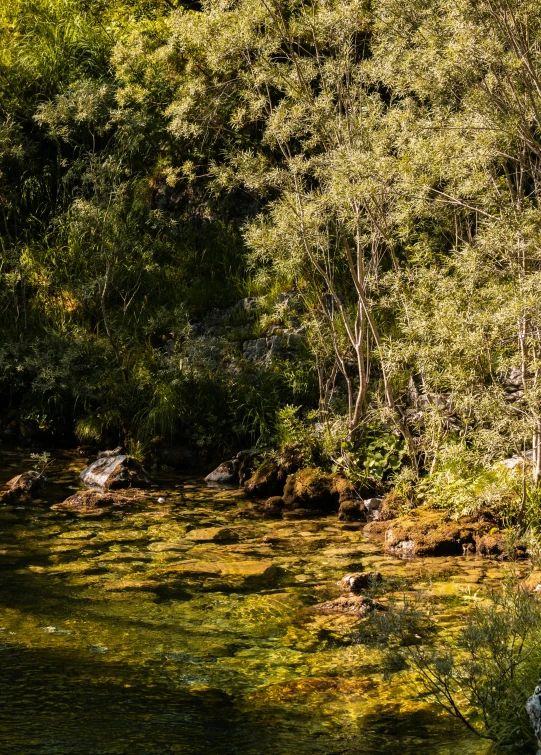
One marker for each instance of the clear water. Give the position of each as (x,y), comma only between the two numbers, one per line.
(118,635)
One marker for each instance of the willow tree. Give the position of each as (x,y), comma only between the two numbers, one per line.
(468,75)
(310,136)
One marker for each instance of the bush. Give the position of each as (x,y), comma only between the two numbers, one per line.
(482,675)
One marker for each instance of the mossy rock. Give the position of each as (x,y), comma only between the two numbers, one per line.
(311,489)
(352,511)
(267,480)
(425,533)
(270,476)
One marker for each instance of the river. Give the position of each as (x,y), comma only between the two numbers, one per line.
(120,635)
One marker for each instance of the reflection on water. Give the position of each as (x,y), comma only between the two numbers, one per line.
(120,635)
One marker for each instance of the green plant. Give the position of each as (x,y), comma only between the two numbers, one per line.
(377,456)
(481,675)
(43,460)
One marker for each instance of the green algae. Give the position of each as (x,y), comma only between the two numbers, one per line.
(120,635)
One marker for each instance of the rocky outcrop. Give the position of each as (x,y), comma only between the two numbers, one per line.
(24,485)
(267,480)
(92,502)
(115,473)
(357,605)
(356,583)
(424,533)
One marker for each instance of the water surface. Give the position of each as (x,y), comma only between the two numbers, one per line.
(118,635)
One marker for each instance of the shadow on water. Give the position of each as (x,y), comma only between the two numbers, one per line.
(57,703)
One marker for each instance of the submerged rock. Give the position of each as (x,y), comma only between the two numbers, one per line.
(356,583)
(357,604)
(92,502)
(250,570)
(114,473)
(213,535)
(24,485)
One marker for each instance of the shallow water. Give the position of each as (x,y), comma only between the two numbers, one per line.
(120,635)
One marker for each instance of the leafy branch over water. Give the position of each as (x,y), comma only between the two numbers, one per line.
(481,675)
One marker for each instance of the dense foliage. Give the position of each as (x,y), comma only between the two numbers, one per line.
(368,171)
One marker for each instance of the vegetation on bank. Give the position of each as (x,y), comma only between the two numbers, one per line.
(354,186)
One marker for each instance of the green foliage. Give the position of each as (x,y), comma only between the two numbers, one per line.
(484,675)
(294,429)
(376,457)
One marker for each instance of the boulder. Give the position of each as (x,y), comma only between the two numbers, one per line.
(372,506)
(24,485)
(343,487)
(213,535)
(311,489)
(114,473)
(267,480)
(352,511)
(427,535)
(273,507)
(356,583)
(225,474)
(355,604)
(92,502)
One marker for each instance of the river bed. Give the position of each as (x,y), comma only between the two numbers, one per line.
(120,635)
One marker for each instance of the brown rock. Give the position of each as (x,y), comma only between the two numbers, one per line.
(425,534)
(270,476)
(352,511)
(343,488)
(356,583)
(273,507)
(357,604)
(267,480)
(92,502)
(302,513)
(25,484)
